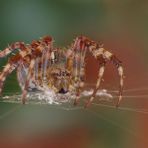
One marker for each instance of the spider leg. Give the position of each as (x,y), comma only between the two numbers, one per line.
(78,93)
(6,71)
(81,77)
(42,66)
(45,64)
(29,75)
(100,75)
(36,71)
(5,52)
(119,66)
(20,76)
(11,48)
(120,70)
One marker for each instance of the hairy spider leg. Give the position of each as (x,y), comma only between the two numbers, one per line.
(45,65)
(76,76)
(29,75)
(20,76)
(36,70)
(42,65)
(81,76)
(6,71)
(79,48)
(100,76)
(11,48)
(119,66)
(45,57)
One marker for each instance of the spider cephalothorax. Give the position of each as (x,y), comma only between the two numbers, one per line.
(61,70)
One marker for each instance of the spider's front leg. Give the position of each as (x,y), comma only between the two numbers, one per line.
(78,93)
(29,76)
(80,84)
(21,74)
(76,66)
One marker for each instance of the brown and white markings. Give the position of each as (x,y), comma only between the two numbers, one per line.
(61,70)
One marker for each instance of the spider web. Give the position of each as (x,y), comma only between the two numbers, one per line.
(48,96)
(104,99)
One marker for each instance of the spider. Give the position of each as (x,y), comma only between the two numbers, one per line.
(61,70)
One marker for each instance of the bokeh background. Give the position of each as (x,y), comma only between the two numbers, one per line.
(123,28)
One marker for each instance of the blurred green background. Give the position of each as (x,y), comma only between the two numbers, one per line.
(122,27)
